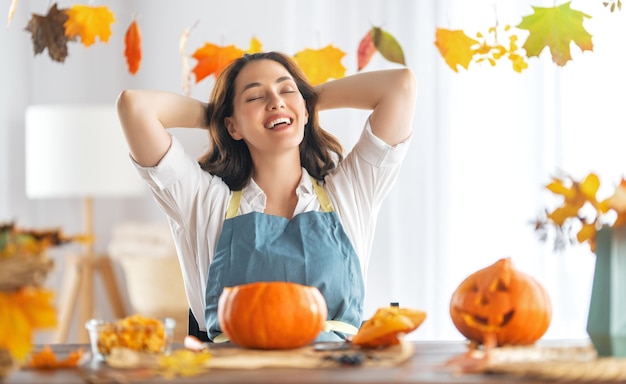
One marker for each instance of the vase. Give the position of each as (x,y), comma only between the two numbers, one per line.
(606,322)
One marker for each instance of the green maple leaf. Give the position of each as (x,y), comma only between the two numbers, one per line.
(556,27)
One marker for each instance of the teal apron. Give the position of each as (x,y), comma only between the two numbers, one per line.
(310,249)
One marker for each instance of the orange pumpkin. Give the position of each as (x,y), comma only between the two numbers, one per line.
(387,324)
(500,305)
(271,315)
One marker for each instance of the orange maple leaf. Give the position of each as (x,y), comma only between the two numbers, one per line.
(455,47)
(89,22)
(132,52)
(321,65)
(46,359)
(21,312)
(213,59)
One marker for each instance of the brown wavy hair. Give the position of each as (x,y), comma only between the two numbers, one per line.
(230,159)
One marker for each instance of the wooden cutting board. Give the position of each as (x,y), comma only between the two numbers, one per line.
(313,356)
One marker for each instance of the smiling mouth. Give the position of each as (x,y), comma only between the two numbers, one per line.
(480,322)
(280,122)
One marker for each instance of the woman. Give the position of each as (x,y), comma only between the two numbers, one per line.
(273,199)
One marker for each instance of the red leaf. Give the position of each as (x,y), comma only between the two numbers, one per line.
(367,49)
(133,47)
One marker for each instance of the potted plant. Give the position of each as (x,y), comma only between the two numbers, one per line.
(584,218)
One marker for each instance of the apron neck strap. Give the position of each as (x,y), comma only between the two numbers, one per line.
(233,205)
(322,196)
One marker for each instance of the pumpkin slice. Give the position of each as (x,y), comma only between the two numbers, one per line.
(387,324)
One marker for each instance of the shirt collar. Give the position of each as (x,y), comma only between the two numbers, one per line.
(254,196)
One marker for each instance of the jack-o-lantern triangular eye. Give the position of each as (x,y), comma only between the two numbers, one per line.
(501,287)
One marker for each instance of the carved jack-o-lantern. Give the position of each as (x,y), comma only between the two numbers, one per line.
(499,305)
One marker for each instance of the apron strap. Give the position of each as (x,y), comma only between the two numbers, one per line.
(322,196)
(233,205)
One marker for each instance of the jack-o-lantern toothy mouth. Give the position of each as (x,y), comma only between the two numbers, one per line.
(481,322)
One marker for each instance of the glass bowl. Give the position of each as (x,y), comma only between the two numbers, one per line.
(138,333)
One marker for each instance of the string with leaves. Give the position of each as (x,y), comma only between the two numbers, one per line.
(88,24)
(554,28)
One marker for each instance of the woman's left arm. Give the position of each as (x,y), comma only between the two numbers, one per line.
(389,93)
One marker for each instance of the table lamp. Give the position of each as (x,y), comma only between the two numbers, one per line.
(79,151)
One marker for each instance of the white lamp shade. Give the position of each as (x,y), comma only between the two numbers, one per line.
(77,151)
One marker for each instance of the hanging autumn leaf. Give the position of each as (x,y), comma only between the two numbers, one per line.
(613,4)
(132,52)
(48,32)
(382,41)
(185,67)
(556,27)
(321,65)
(388,46)
(490,48)
(12,9)
(366,50)
(455,47)
(89,23)
(255,46)
(213,59)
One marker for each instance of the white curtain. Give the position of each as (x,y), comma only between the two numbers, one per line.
(485,140)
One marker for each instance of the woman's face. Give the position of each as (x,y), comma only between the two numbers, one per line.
(269,113)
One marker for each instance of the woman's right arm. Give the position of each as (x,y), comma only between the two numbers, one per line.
(145,115)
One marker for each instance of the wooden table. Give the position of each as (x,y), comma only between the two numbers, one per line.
(426,366)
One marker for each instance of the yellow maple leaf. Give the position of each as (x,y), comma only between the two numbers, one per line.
(255,46)
(321,65)
(575,196)
(20,313)
(455,47)
(89,23)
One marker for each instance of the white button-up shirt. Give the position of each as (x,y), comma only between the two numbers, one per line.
(195,203)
